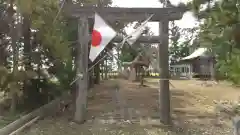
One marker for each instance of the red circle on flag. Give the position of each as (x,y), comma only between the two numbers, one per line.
(96,38)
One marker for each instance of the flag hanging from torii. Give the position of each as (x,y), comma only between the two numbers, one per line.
(102,34)
(135,34)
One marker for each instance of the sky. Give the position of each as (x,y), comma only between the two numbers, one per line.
(188,21)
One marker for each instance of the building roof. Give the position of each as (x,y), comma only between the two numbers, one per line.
(198,52)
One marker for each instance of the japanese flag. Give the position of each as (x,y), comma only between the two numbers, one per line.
(102,34)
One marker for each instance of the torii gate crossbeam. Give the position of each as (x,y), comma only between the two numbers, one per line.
(123,14)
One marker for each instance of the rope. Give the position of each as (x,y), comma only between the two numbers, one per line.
(59,11)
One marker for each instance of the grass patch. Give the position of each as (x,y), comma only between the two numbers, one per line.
(7,119)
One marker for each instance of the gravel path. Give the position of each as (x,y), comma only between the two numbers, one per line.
(192,114)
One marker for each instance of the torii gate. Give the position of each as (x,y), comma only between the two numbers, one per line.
(161,15)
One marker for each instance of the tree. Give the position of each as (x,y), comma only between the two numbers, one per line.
(219,33)
(174,50)
(28,48)
(180,42)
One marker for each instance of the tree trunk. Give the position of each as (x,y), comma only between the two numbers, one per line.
(91,80)
(142,73)
(27,54)
(102,69)
(106,69)
(13,103)
(13,34)
(3,54)
(97,74)
(118,64)
(27,41)
(212,69)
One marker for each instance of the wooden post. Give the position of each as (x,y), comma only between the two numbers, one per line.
(102,68)
(81,100)
(164,92)
(91,80)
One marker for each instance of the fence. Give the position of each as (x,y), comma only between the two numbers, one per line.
(115,74)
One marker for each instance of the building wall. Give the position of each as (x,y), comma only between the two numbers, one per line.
(202,66)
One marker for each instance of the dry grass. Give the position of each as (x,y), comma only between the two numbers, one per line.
(193,111)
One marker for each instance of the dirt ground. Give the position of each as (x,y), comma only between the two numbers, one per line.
(134,111)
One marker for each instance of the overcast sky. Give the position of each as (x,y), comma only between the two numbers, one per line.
(187,21)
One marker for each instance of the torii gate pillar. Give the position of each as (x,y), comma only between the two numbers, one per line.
(164,92)
(82,70)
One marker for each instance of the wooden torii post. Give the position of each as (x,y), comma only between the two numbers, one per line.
(161,15)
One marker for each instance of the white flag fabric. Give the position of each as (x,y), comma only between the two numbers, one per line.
(102,34)
(131,39)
